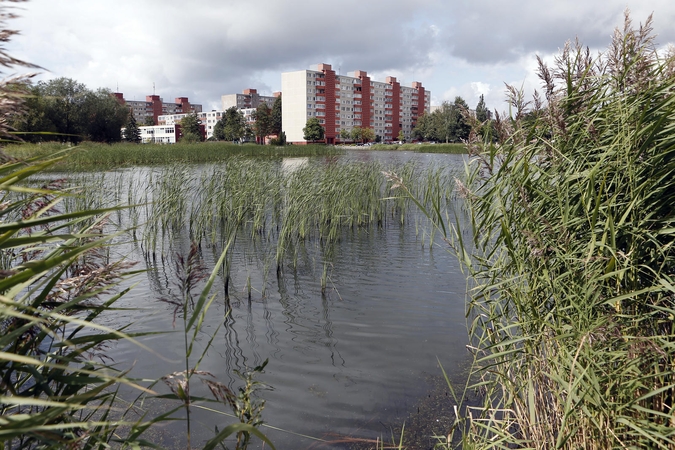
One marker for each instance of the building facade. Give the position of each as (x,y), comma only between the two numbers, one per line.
(248,99)
(154,106)
(163,134)
(343,102)
(208,119)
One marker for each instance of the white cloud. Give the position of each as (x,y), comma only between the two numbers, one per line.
(480,88)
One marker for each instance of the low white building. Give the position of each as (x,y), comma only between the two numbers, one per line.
(158,134)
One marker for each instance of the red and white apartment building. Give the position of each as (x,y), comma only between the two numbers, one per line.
(343,102)
(154,106)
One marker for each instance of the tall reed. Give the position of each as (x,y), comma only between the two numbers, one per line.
(571,254)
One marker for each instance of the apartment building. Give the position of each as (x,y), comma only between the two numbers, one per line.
(154,106)
(248,99)
(208,119)
(343,102)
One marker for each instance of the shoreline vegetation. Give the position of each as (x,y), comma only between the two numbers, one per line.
(571,257)
(96,156)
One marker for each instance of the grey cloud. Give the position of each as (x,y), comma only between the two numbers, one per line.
(492,32)
(216,47)
(208,59)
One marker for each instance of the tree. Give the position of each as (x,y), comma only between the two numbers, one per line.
(356,134)
(367,134)
(276,116)
(131,132)
(313,130)
(219,130)
(460,127)
(401,136)
(263,122)
(248,133)
(149,121)
(33,118)
(484,117)
(71,112)
(102,116)
(279,140)
(190,127)
(63,99)
(420,130)
(231,127)
(344,134)
(482,113)
(447,123)
(190,138)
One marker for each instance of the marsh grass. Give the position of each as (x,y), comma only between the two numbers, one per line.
(269,212)
(59,386)
(455,149)
(571,257)
(97,156)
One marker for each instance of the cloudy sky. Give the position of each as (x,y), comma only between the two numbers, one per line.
(207,48)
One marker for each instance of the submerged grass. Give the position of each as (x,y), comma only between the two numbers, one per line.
(278,209)
(97,156)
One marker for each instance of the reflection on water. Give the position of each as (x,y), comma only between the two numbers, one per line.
(292,164)
(343,360)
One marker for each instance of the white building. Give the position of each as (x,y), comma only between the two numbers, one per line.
(157,134)
(208,119)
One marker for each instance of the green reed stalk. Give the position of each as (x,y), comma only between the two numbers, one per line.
(571,255)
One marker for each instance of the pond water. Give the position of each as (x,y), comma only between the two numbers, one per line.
(349,360)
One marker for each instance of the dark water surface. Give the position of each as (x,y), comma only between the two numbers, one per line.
(349,363)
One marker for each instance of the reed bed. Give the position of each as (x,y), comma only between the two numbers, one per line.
(97,156)
(449,148)
(570,249)
(276,210)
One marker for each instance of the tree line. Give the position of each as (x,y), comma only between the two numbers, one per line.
(449,123)
(233,127)
(65,110)
(446,124)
